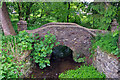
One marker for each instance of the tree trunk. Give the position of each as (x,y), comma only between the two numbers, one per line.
(19,10)
(1,30)
(68,11)
(6,22)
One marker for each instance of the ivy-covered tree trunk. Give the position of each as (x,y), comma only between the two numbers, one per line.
(6,23)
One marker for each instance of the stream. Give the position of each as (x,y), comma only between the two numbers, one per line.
(56,67)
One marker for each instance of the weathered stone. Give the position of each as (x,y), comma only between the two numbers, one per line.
(28,65)
(114,25)
(76,37)
(107,64)
(22,25)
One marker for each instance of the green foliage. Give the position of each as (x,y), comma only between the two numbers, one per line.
(82,72)
(107,42)
(21,42)
(25,40)
(1,3)
(43,48)
(13,48)
(102,15)
(35,23)
(80,60)
(9,69)
(40,13)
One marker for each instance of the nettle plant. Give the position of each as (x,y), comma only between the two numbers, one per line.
(13,48)
(43,49)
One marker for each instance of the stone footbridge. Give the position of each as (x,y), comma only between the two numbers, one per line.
(74,36)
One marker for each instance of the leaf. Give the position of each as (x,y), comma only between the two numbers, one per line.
(48,32)
(36,61)
(46,36)
(51,46)
(57,43)
(115,33)
(48,64)
(31,34)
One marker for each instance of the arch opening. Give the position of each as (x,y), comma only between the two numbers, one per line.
(58,63)
(61,52)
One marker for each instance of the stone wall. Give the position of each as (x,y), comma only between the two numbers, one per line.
(106,63)
(28,65)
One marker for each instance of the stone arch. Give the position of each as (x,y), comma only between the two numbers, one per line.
(60,52)
(76,37)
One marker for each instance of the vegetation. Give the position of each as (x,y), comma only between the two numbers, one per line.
(82,72)
(94,15)
(90,15)
(107,42)
(43,49)
(79,60)
(13,48)
(9,69)
(103,14)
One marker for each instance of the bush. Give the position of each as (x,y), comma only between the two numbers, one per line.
(12,50)
(82,72)
(107,42)
(43,48)
(9,69)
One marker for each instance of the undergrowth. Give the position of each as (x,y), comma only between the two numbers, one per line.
(107,42)
(82,72)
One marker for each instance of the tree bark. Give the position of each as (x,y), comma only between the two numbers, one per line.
(68,11)
(28,11)
(6,22)
(19,10)
(1,30)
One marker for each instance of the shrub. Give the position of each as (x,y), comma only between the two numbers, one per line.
(9,69)
(82,72)
(43,48)
(107,42)
(12,50)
